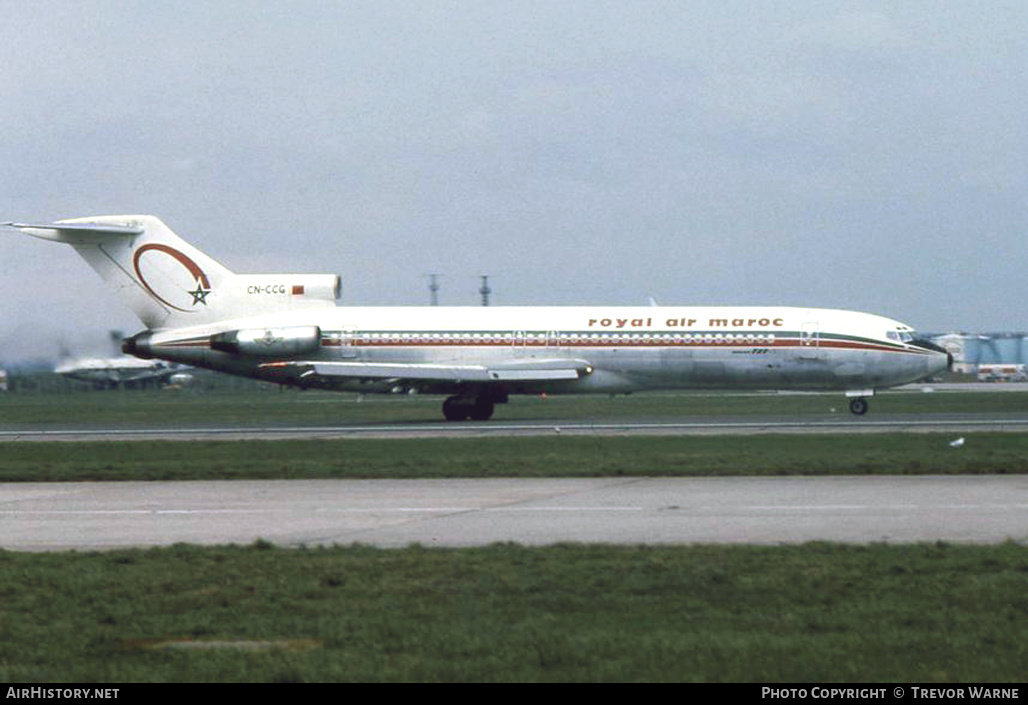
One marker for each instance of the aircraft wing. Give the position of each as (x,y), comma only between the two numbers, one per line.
(511,371)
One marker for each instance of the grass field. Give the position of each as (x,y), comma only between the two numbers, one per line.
(930,613)
(535,456)
(816,613)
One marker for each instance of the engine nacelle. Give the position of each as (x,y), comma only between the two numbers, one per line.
(269,342)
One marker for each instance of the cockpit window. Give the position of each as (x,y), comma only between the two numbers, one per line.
(900,335)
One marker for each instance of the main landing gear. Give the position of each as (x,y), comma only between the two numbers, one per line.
(463,408)
(858,406)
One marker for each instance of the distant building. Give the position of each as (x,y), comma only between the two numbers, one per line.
(975,353)
(3,380)
(956,345)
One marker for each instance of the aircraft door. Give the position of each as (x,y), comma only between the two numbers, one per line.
(810,341)
(520,342)
(347,349)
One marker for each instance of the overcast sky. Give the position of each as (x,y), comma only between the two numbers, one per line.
(859,155)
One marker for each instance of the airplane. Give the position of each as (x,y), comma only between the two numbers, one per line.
(288,329)
(114,372)
(118,370)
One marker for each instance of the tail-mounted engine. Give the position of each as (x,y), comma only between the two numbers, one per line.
(269,342)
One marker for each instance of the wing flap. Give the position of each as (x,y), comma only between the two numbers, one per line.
(535,371)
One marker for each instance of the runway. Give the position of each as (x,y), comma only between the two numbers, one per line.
(840,423)
(457,513)
(388,513)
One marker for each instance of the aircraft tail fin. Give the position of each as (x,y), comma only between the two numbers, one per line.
(169,283)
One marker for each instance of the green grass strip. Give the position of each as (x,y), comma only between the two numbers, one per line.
(930,613)
(557,456)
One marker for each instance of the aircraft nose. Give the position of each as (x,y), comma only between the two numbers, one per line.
(939,363)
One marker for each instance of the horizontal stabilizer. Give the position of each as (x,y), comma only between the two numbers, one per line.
(77,233)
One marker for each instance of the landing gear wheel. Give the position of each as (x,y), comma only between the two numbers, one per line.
(859,406)
(457,408)
(482,410)
(454,410)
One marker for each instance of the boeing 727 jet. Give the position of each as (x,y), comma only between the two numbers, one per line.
(120,370)
(287,328)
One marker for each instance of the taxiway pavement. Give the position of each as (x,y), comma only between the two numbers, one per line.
(455,513)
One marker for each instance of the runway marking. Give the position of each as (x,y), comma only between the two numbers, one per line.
(459,510)
(839,507)
(330,510)
(897,507)
(801,426)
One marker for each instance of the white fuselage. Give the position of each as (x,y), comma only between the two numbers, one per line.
(626,348)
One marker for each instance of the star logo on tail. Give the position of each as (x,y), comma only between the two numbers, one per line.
(199,294)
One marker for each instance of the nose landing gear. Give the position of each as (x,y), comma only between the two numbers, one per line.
(858,406)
